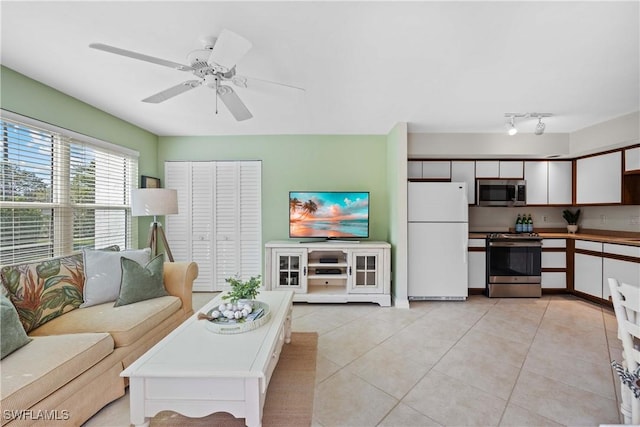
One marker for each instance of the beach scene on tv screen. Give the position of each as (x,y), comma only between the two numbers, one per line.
(328,214)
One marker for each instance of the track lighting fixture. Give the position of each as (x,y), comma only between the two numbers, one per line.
(540,127)
(512,128)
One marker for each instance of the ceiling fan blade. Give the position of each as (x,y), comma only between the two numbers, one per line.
(233,103)
(228,50)
(172,91)
(247,81)
(140,56)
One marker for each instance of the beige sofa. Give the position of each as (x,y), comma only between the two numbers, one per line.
(71,369)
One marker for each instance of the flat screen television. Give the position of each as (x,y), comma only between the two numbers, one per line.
(329,214)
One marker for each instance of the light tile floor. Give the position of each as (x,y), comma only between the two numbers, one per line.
(481,362)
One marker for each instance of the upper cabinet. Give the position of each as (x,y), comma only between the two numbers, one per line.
(465,171)
(632,159)
(432,169)
(560,175)
(487,169)
(548,182)
(511,169)
(536,175)
(599,179)
(499,169)
(436,169)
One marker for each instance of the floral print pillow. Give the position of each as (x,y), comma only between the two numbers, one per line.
(43,290)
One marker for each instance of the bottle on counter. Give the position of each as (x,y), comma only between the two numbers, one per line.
(519,224)
(529,224)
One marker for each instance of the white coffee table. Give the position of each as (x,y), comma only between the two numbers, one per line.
(196,372)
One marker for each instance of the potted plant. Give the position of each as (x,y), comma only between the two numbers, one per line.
(572,219)
(240,290)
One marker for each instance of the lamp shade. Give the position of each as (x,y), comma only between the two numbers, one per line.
(154,201)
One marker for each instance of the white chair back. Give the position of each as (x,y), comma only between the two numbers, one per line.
(626,304)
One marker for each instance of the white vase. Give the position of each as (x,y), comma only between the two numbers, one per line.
(572,228)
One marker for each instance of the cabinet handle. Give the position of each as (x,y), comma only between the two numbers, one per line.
(304,271)
(349,270)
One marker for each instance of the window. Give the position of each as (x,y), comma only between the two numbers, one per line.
(61,191)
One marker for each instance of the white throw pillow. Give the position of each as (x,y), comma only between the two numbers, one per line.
(103,273)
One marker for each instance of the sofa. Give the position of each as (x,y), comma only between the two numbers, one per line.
(68,365)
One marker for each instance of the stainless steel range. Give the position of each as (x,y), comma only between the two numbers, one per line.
(514,265)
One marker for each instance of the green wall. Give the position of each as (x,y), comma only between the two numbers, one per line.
(302,162)
(28,97)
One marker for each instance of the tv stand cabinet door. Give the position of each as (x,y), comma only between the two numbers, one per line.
(289,269)
(365,271)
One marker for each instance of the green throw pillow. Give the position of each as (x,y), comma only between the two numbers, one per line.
(12,334)
(141,283)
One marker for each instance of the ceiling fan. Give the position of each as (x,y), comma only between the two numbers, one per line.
(212,65)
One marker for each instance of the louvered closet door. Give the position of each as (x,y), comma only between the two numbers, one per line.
(237,217)
(250,225)
(219,219)
(177,176)
(202,190)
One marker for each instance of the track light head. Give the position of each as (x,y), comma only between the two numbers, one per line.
(512,127)
(539,127)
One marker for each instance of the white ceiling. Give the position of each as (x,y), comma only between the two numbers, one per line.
(439,66)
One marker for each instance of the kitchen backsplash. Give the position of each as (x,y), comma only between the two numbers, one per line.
(618,218)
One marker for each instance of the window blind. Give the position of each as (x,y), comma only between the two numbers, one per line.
(61,192)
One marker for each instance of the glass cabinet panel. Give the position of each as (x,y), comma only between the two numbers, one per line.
(366,275)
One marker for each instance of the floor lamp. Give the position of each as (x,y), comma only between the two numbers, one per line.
(155,201)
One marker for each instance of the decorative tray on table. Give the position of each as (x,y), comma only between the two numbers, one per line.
(218,322)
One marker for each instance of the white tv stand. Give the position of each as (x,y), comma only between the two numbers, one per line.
(330,271)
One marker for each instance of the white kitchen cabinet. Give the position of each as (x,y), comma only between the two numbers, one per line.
(627,271)
(587,275)
(556,259)
(511,169)
(487,169)
(414,169)
(465,171)
(330,272)
(218,224)
(632,159)
(436,169)
(560,182)
(477,264)
(548,182)
(599,179)
(535,173)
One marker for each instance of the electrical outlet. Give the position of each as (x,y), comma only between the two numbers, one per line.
(603,219)
(544,218)
(634,220)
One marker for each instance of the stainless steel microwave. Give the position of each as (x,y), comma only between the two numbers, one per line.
(501,192)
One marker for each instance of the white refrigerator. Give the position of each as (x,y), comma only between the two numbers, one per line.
(438,240)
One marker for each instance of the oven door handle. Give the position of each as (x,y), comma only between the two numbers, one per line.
(520,244)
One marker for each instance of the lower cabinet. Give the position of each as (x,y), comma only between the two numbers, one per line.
(330,271)
(554,264)
(622,263)
(477,260)
(587,276)
(596,262)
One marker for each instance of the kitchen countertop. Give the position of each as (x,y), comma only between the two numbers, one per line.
(605,236)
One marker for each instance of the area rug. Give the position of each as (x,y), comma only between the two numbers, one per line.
(289,401)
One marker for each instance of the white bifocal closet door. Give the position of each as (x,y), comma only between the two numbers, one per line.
(219,219)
